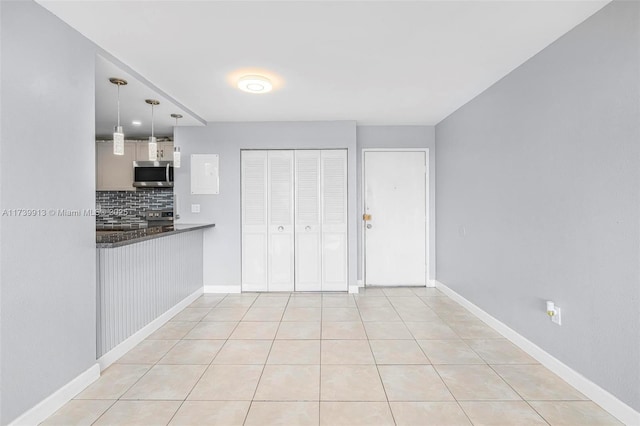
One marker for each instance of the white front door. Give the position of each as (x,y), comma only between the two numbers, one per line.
(395,197)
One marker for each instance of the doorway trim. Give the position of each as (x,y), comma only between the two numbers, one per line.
(428,281)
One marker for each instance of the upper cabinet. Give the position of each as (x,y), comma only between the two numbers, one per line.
(115,172)
(165,151)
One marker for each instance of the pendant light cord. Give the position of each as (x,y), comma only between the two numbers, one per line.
(118,104)
(152,120)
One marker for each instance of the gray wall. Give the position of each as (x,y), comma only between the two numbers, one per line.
(538,199)
(222,255)
(48,263)
(399,137)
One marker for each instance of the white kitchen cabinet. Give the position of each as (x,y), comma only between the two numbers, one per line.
(142,150)
(114,172)
(165,151)
(294,220)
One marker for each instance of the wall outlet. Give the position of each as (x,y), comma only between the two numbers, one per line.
(195,208)
(557,317)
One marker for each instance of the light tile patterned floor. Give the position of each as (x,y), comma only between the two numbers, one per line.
(403,356)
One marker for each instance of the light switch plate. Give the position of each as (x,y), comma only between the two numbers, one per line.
(195,208)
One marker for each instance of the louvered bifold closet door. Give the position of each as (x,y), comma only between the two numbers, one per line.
(280,269)
(254,220)
(307,212)
(333,165)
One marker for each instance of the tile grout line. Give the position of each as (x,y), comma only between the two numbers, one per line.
(422,350)
(481,357)
(151,367)
(384,389)
(518,393)
(438,373)
(388,299)
(103,413)
(446,321)
(320,363)
(264,366)
(205,370)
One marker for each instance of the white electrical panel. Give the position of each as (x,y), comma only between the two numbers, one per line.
(205,177)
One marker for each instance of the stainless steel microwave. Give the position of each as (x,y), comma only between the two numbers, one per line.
(152,173)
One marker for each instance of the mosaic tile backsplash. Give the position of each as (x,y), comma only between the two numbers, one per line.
(129,207)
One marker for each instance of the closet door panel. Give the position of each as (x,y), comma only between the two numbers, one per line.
(307,213)
(281,265)
(254,262)
(254,220)
(294,220)
(334,261)
(280,217)
(334,220)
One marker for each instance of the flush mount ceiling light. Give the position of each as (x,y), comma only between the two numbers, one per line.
(254,84)
(118,134)
(136,123)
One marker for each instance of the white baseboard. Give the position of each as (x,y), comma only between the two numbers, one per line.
(56,400)
(222,289)
(114,354)
(354,288)
(603,398)
(431,283)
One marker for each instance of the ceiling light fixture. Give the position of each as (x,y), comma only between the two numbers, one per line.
(153,144)
(136,123)
(176,149)
(254,84)
(118,134)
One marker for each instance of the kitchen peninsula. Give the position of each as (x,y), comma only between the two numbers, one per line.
(112,239)
(142,275)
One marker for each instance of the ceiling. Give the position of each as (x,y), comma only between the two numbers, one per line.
(376,62)
(133,105)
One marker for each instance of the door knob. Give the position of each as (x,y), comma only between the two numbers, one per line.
(369,226)
(307,228)
(280,228)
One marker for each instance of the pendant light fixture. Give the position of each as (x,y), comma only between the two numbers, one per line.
(153,144)
(176,149)
(118,134)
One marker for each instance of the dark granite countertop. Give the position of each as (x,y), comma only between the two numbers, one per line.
(119,238)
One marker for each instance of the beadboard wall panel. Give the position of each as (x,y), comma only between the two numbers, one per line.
(139,282)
